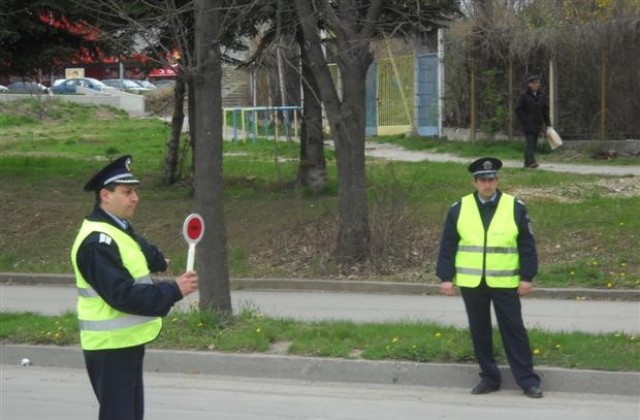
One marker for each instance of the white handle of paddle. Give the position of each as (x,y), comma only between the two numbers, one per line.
(191,256)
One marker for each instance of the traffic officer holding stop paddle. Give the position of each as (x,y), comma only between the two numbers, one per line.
(489,252)
(119,306)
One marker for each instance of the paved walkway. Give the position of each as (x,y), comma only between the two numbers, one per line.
(552,315)
(397,153)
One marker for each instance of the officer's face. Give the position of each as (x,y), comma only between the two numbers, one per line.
(486,187)
(122,202)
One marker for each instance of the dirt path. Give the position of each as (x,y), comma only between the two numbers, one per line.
(393,152)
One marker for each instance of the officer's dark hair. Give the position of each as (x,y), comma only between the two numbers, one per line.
(110,187)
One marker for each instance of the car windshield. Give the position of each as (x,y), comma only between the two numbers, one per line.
(94,82)
(130,84)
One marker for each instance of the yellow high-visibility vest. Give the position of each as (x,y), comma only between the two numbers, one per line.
(103,327)
(493,253)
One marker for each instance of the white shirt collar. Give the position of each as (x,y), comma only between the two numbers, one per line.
(483,201)
(123,223)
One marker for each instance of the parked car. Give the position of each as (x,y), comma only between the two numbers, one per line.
(127,85)
(27,87)
(164,83)
(146,84)
(3,89)
(70,85)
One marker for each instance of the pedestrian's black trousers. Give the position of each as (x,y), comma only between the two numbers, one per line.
(531,141)
(506,303)
(116,377)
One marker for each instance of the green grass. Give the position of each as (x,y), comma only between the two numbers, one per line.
(251,332)
(48,151)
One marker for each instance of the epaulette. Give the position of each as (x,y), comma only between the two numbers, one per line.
(99,238)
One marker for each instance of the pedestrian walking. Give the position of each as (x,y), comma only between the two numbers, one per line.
(119,305)
(488,251)
(532,110)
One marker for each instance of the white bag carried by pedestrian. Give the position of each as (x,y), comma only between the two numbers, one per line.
(553,138)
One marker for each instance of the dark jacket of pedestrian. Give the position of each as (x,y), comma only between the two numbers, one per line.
(532,110)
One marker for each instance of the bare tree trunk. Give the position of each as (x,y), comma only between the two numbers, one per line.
(212,251)
(349,133)
(347,122)
(177,121)
(312,172)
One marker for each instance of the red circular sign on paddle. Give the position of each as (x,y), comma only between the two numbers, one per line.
(193,228)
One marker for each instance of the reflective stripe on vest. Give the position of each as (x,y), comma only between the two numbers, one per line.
(88,292)
(492,254)
(102,326)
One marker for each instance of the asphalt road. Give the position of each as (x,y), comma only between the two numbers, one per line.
(549,314)
(65,394)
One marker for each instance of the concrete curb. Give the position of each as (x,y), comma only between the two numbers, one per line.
(334,370)
(348,286)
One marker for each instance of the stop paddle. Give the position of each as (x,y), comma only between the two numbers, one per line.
(192,230)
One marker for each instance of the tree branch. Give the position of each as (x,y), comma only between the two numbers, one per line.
(369,22)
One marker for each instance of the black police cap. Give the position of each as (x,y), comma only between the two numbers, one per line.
(116,172)
(486,167)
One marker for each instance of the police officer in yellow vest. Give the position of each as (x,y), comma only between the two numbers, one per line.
(489,252)
(119,306)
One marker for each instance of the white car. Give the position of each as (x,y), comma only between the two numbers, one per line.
(126,84)
(3,89)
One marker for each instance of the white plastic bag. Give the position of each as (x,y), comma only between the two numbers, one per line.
(553,138)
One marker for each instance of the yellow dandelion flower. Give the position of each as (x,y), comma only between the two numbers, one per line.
(536,351)
(258,330)
(438,335)
(394,340)
(609,285)
(558,346)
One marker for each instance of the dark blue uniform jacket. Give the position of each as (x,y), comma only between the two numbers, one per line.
(101,265)
(446,269)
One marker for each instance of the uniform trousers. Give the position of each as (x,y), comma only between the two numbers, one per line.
(116,377)
(506,303)
(531,142)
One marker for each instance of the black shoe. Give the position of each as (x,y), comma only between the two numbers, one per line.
(484,388)
(533,392)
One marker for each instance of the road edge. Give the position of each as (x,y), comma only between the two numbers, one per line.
(346,286)
(332,370)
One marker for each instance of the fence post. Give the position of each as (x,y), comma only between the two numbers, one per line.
(472,98)
(603,95)
(553,91)
(510,98)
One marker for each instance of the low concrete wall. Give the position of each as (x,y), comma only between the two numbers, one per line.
(133,104)
(464,134)
(620,146)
